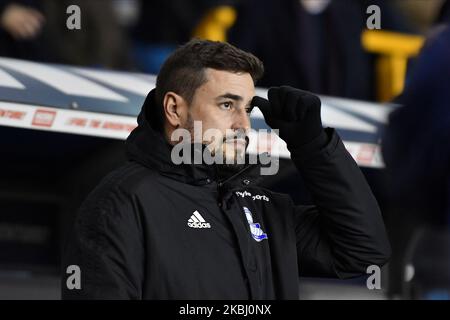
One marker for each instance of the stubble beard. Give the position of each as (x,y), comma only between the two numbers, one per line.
(233,165)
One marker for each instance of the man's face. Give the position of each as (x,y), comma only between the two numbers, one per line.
(222,104)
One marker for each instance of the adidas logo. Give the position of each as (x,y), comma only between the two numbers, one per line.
(197,221)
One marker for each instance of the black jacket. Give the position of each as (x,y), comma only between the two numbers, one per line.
(136,235)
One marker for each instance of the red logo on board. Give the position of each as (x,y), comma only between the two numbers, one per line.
(43,118)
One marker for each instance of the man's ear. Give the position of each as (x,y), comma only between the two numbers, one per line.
(174,107)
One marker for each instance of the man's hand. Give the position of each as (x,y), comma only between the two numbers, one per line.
(21,22)
(296,113)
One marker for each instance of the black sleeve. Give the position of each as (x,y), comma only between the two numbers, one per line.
(343,233)
(106,243)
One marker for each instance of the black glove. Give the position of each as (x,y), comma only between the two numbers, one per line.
(296,113)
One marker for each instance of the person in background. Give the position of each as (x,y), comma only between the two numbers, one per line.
(36,30)
(21,25)
(163,25)
(423,15)
(417,156)
(314,45)
(101,41)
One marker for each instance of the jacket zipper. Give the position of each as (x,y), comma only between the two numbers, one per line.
(221,183)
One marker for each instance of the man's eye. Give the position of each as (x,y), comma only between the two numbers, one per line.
(226,105)
(248,110)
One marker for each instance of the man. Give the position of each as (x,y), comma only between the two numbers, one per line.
(154,229)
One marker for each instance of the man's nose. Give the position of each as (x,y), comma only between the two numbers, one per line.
(242,121)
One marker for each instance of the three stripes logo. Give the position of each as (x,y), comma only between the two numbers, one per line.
(197,221)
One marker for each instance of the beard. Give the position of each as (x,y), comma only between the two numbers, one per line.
(233,160)
(229,168)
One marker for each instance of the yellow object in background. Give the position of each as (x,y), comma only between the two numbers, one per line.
(215,24)
(393,50)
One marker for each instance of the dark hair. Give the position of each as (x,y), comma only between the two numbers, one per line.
(183,72)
